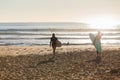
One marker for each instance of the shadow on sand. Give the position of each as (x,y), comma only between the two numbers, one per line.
(45,61)
(96,60)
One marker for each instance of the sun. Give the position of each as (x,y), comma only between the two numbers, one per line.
(103,23)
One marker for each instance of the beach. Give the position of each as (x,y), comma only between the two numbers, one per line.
(70,63)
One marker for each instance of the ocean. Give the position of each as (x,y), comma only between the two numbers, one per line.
(31,34)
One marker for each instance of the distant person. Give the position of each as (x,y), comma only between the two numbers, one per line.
(96,40)
(98,37)
(53,41)
(99,49)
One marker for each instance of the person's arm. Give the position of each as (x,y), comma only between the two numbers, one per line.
(50,42)
(56,39)
(94,41)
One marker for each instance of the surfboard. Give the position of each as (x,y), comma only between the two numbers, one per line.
(96,42)
(58,44)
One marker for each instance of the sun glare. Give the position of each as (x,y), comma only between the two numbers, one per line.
(103,23)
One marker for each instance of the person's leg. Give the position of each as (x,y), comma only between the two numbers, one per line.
(54,51)
(97,53)
(54,48)
(98,58)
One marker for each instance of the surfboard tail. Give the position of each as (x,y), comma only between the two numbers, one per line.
(58,44)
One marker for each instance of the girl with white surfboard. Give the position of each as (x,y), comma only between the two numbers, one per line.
(96,40)
(97,43)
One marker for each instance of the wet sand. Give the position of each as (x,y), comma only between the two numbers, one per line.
(70,63)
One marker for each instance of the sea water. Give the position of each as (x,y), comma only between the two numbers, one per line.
(29,34)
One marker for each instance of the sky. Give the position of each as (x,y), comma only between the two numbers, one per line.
(59,10)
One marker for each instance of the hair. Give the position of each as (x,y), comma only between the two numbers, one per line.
(53,34)
(99,32)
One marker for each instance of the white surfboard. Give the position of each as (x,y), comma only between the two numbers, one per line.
(58,44)
(96,42)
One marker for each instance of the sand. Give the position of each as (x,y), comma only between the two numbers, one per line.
(70,63)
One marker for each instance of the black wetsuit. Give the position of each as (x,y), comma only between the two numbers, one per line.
(53,40)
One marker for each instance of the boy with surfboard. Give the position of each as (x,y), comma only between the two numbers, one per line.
(54,43)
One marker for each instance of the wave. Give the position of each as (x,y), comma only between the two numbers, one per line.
(55,29)
(40,36)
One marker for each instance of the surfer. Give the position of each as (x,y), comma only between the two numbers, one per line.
(53,43)
(96,40)
(98,37)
